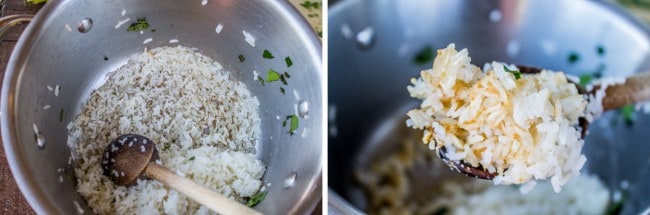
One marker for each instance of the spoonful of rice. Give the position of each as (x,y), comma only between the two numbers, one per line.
(131,157)
(508,124)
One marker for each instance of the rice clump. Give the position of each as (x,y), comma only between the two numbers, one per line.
(204,123)
(521,128)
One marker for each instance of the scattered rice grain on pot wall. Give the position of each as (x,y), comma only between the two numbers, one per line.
(191,107)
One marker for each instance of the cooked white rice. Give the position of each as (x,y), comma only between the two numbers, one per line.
(391,187)
(204,124)
(521,129)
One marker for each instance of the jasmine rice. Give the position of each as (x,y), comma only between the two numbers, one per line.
(523,128)
(205,124)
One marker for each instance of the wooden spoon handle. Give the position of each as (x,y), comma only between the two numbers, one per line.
(197,192)
(636,89)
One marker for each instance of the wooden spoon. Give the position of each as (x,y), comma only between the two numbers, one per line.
(635,89)
(131,157)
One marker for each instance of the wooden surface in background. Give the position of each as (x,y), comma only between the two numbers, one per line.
(12,201)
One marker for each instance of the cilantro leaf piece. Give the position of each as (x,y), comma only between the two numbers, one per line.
(517,73)
(141,24)
(585,79)
(627,112)
(267,54)
(256,199)
(288,61)
(272,76)
(573,57)
(424,56)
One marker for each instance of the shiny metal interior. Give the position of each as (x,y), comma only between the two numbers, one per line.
(368,77)
(48,53)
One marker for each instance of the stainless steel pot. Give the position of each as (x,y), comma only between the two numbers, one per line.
(372,46)
(75,43)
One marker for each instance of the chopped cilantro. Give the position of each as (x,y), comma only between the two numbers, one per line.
(153,30)
(286,74)
(272,76)
(256,199)
(288,61)
(627,112)
(283,79)
(309,4)
(61,115)
(293,123)
(141,24)
(600,50)
(261,80)
(441,211)
(585,79)
(615,207)
(192,158)
(35,1)
(282,90)
(267,54)
(241,58)
(573,57)
(517,73)
(424,56)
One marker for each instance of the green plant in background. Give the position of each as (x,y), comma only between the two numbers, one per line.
(35,1)
(639,3)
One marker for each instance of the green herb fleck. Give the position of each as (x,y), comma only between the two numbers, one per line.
(441,211)
(61,115)
(261,80)
(320,34)
(192,158)
(585,79)
(267,54)
(283,79)
(628,114)
(272,76)
(517,73)
(424,56)
(309,4)
(256,199)
(282,90)
(615,207)
(153,30)
(288,61)
(140,25)
(165,147)
(573,57)
(36,1)
(294,124)
(286,74)
(105,58)
(600,50)
(241,58)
